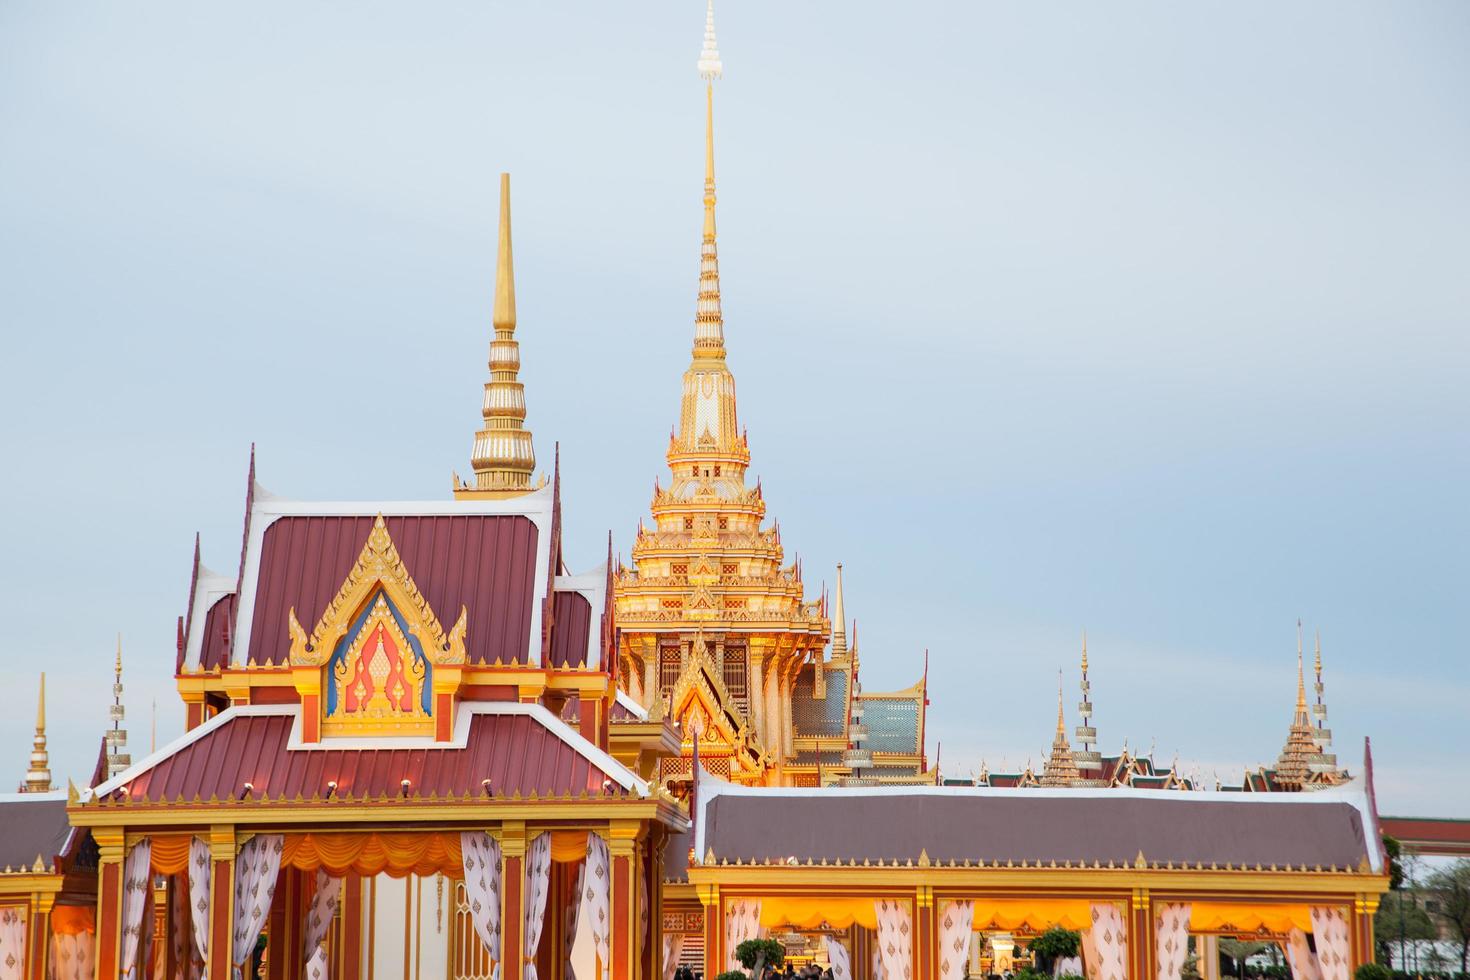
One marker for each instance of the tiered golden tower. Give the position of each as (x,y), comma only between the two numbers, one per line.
(715,627)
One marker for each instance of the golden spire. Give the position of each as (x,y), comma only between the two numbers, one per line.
(38,777)
(1325,762)
(709,322)
(839,619)
(1293,768)
(503,457)
(1061,725)
(1060,768)
(1087,757)
(116,737)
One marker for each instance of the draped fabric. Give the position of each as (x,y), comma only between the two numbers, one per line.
(1040,914)
(1171,938)
(374,853)
(808,913)
(837,956)
(256,868)
(1299,957)
(538,883)
(316,967)
(178,914)
(200,866)
(954,938)
(570,918)
(1110,940)
(568,846)
(877,964)
(742,922)
(895,938)
(597,902)
(169,853)
(673,946)
(1237,917)
(73,955)
(135,900)
(319,916)
(1089,955)
(1334,945)
(12,942)
(481,856)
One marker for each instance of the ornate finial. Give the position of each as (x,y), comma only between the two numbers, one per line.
(504,457)
(839,619)
(116,737)
(1294,767)
(709,56)
(1084,650)
(38,777)
(1088,759)
(1318,638)
(1061,729)
(1060,767)
(709,322)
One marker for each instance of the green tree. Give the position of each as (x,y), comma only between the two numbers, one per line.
(1393,849)
(1372,971)
(1398,918)
(1240,950)
(1053,946)
(757,954)
(1451,888)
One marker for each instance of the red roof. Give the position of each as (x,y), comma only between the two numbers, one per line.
(571,621)
(485,563)
(518,752)
(218,623)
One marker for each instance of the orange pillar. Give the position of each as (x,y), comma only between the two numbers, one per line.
(622,847)
(926,940)
(1365,907)
(352,911)
(512,899)
(109,899)
(221,900)
(1141,936)
(714,919)
(38,933)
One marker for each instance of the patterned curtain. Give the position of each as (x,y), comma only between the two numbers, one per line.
(178,914)
(1089,955)
(137,880)
(1299,957)
(877,965)
(1334,947)
(73,956)
(256,868)
(1109,938)
(570,917)
(954,938)
(742,922)
(199,874)
(538,880)
(12,942)
(1171,935)
(895,938)
(319,917)
(597,901)
(481,854)
(841,962)
(316,967)
(673,947)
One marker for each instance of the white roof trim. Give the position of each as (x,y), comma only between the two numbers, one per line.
(605,763)
(634,708)
(210,588)
(266,509)
(50,796)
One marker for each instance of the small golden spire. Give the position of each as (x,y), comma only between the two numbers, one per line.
(1060,768)
(116,737)
(709,321)
(1084,649)
(839,619)
(38,777)
(504,457)
(1061,725)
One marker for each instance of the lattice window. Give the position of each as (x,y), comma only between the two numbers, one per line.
(730,568)
(669,666)
(735,675)
(468,957)
(734,603)
(688,523)
(724,524)
(672,603)
(679,568)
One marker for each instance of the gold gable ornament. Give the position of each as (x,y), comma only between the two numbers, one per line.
(379,683)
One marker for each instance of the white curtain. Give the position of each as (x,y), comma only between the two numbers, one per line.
(482,887)
(12,942)
(256,867)
(954,938)
(597,902)
(1089,955)
(1299,957)
(877,959)
(538,880)
(200,864)
(1334,945)
(673,946)
(1109,938)
(74,957)
(1171,938)
(569,918)
(895,938)
(319,916)
(838,957)
(137,881)
(742,922)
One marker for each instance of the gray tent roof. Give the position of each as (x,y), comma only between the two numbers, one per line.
(33,825)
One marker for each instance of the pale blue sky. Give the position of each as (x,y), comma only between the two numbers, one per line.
(1149,318)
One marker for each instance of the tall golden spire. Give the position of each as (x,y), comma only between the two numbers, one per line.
(1293,768)
(1324,764)
(38,777)
(1060,768)
(1087,757)
(116,737)
(503,457)
(709,322)
(839,620)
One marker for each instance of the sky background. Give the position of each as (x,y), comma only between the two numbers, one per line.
(1152,319)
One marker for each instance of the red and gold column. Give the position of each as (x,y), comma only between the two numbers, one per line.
(714,919)
(38,931)
(622,846)
(1141,936)
(926,937)
(1365,907)
(352,888)
(512,899)
(221,900)
(109,899)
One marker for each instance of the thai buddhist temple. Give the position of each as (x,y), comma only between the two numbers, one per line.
(418,744)
(716,630)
